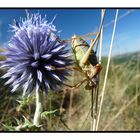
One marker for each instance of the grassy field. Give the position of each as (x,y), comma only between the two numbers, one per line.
(70,110)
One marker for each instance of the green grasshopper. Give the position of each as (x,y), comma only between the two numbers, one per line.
(87,63)
(86,60)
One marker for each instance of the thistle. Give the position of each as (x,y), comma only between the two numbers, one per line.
(32,52)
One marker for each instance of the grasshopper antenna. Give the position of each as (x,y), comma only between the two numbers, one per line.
(87,54)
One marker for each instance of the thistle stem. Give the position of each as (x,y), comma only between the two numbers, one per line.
(39,108)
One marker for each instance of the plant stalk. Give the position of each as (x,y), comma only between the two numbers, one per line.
(39,108)
(107,70)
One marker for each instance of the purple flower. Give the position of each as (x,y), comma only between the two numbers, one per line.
(31,52)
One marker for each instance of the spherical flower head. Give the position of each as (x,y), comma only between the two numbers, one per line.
(32,52)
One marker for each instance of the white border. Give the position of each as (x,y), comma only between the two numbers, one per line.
(69,3)
(69,136)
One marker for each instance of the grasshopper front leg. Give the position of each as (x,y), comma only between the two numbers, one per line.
(70,87)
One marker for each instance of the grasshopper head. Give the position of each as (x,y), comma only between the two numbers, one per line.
(77,41)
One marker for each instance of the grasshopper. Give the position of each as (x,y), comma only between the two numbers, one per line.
(86,61)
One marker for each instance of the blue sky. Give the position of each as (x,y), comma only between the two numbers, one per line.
(83,21)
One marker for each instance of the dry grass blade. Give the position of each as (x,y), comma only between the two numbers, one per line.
(121,110)
(107,69)
(100,57)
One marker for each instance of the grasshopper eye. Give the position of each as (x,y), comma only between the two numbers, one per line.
(72,41)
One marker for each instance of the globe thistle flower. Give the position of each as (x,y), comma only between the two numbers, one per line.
(32,52)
